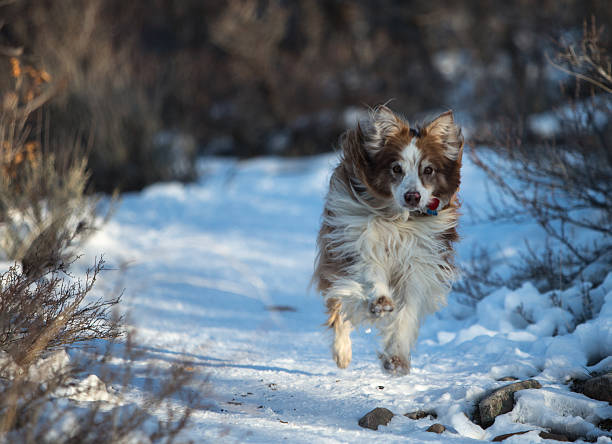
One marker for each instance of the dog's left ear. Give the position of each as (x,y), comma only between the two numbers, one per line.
(444,130)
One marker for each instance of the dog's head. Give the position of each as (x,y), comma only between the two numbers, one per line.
(409,167)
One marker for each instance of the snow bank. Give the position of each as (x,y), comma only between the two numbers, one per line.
(209,261)
(570,414)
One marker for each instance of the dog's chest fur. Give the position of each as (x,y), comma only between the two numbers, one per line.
(411,251)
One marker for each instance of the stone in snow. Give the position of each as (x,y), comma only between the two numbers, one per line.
(599,388)
(376,417)
(436,428)
(502,401)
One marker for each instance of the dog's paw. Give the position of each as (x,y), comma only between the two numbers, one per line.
(381,306)
(342,359)
(396,366)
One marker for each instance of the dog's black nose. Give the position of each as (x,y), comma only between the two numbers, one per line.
(412,198)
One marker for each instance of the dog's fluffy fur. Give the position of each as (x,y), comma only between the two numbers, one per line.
(381,258)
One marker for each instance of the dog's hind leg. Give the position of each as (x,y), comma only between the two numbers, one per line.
(341,348)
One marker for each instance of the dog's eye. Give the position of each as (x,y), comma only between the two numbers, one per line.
(428,170)
(397,169)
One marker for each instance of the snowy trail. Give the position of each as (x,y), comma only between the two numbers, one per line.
(208,262)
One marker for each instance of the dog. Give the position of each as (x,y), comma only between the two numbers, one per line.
(385,246)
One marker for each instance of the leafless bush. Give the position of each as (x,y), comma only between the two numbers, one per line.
(588,61)
(563,183)
(249,77)
(51,311)
(45,396)
(301,65)
(478,277)
(61,401)
(108,93)
(42,313)
(44,208)
(45,399)
(44,213)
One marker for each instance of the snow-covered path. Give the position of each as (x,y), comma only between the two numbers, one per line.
(219,270)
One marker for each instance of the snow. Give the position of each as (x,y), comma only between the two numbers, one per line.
(204,265)
(90,388)
(54,363)
(551,123)
(568,413)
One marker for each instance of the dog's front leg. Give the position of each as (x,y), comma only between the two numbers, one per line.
(399,335)
(398,324)
(380,300)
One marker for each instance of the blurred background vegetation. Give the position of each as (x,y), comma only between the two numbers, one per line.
(146,86)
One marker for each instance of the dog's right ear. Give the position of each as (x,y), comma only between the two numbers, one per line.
(353,147)
(358,158)
(382,124)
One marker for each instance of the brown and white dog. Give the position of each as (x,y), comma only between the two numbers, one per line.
(385,252)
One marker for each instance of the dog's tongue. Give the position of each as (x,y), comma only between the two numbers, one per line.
(433,203)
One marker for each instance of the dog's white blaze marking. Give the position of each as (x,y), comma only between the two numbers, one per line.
(410,162)
(411,154)
(411,158)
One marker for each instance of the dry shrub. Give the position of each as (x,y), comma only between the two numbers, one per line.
(57,399)
(45,213)
(44,209)
(564,182)
(42,313)
(248,77)
(45,396)
(301,65)
(259,77)
(51,311)
(109,93)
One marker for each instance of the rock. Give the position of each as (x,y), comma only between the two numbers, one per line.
(420,414)
(280,308)
(376,417)
(599,388)
(606,424)
(436,428)
(544,435)
(508,435)
(555,436)
(475,417)
(508,378)
(502,401)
